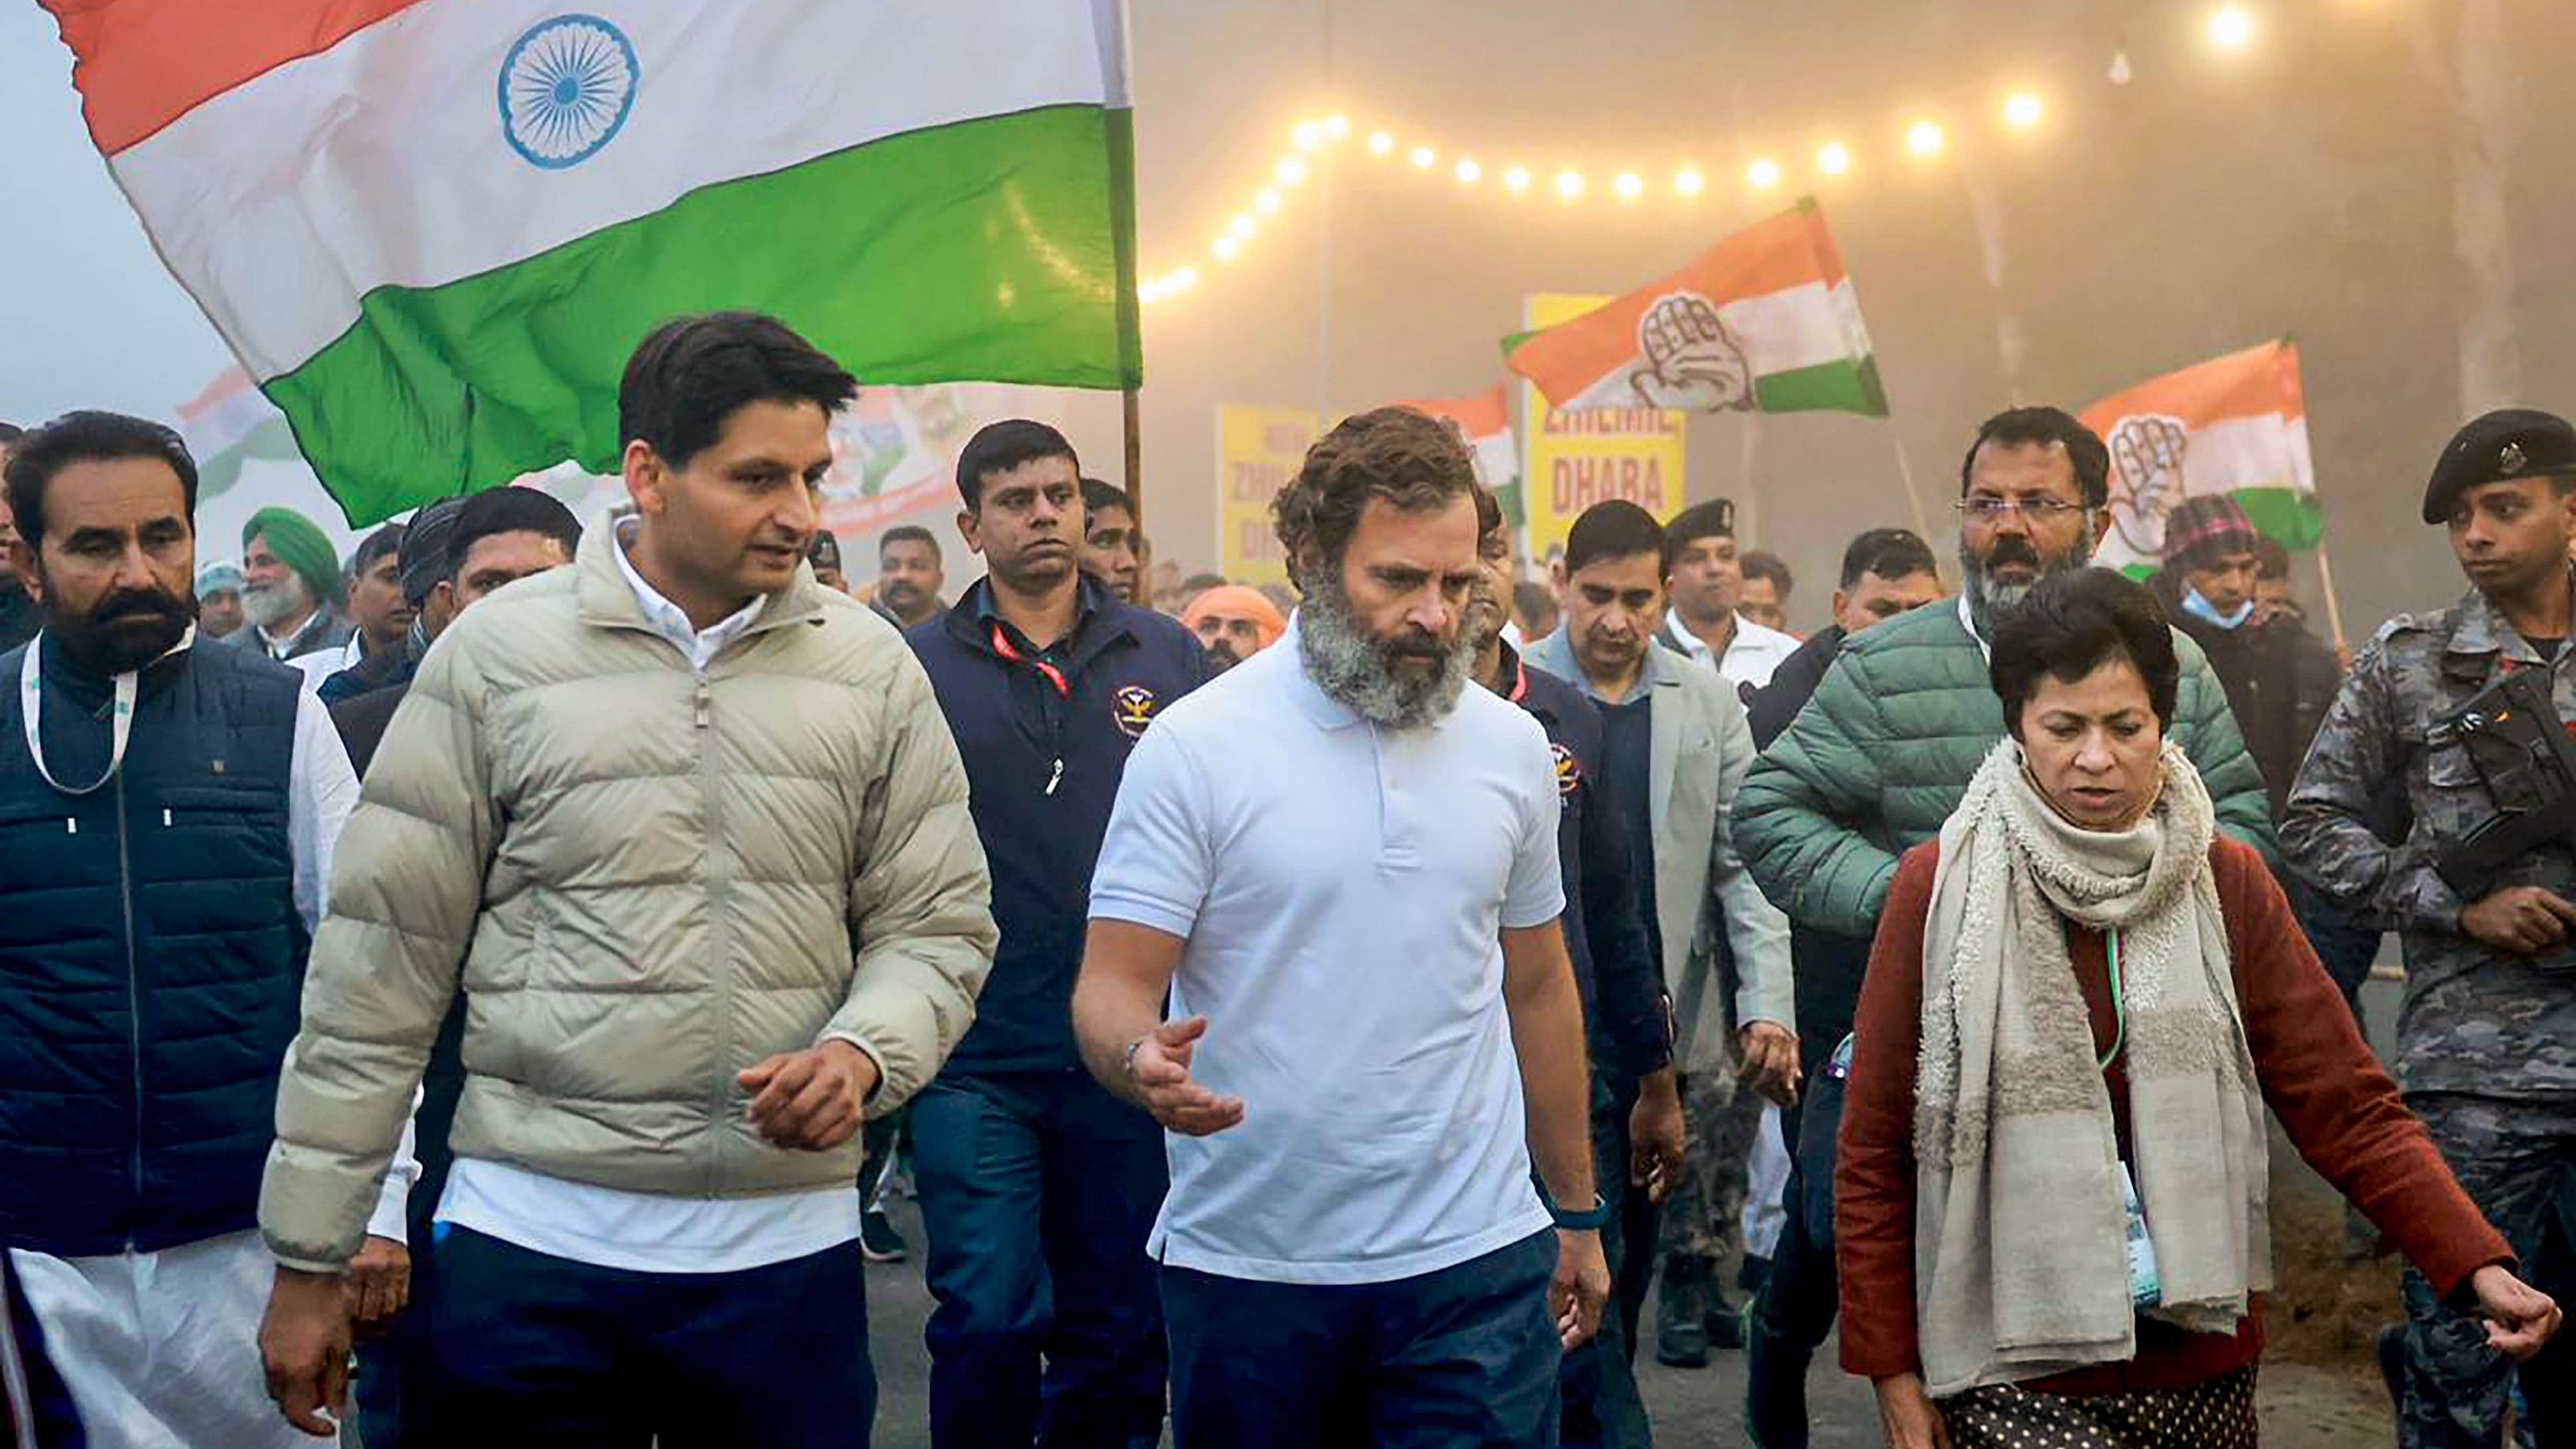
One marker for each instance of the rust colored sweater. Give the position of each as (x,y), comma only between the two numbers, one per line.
(2317,1073)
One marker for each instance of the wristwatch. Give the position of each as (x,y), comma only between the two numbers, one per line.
(1588,1220)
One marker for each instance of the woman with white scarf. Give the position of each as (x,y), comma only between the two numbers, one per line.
(2051,1190)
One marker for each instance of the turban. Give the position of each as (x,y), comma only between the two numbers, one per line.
(301,545)
(1234,601)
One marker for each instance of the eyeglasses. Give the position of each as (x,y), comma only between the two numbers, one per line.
(2037,510)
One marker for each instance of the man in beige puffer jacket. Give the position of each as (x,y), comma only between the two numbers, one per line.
(694,833)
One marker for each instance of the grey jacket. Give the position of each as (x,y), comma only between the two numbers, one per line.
(1702,746)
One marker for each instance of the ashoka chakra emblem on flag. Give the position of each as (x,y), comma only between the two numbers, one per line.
(566,87)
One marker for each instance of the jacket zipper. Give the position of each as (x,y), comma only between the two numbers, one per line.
(721,1088)
(133,998)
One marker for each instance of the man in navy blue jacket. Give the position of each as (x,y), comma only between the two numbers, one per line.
(1037,1187)
(1636,1101)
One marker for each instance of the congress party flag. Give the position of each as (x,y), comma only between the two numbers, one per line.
(432,230)
(1484,423)
(2236,425)
(1765,322)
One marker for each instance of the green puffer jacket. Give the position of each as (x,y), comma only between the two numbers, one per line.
(1882,753)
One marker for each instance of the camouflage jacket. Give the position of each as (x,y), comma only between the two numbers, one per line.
(2475,1019)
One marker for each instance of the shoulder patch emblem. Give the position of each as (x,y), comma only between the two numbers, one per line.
(1134,706)
(1569,771)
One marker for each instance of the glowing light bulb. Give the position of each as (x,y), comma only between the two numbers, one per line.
(1290,171)
(1924,138)
(1423,156)
(1182,280)
(1569,184)
(1834,159)
(1337,126)
(2231,27)
(2023,111)
(1469,172)
(1763,174)
(1380,143)
(1308,135)
(1149,292)
(1241,227)
(1267,203)
(1689,183)
(1227,248)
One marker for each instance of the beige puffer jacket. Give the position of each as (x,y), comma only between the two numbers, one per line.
(652,879)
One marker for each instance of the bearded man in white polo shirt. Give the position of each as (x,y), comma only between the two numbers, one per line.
(1375,1029)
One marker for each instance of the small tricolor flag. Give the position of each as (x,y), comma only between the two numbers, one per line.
(228,425)
(1484,423)
(1765,322)
(433,230)
(2236,425)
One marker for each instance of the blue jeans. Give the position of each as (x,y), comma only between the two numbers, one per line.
(1598,1381)
(534,1349)
(1038,1191)
(1464,1358)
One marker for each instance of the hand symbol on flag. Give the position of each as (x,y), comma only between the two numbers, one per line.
(2146,466)
(1688,362)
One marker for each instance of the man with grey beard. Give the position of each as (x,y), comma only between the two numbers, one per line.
(1360,944)
(290,582)
(1883,751)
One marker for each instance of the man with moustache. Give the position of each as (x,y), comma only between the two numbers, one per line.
(291,579)
(420,562)
(1905,714)
(909,577)
(1367,979)
(1637,1137)
(168,815)
(380,617)
(1037,1187)
(1233,623)
(219,605)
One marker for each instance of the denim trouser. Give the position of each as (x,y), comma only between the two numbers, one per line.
(534,1349)
(1038,1191)
(1462,1358)
(1599,1379)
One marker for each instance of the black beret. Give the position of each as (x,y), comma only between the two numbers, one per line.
(2500,447)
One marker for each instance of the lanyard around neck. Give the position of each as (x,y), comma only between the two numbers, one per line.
(31,700)
(2119,994)
(1002,645)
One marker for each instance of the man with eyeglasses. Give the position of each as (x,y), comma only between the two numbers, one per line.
(1883,752)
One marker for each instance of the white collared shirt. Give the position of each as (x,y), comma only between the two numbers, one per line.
(1751,656)
(1340,889)
(647,1232)
(321,664)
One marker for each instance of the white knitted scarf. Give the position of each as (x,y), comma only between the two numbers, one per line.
(2020,1227)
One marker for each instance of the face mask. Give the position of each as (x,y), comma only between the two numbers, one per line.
(2201,608)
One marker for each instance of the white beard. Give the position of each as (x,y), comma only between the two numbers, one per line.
(1354,669)
(269,605)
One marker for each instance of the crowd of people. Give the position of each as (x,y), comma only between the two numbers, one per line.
(482,990)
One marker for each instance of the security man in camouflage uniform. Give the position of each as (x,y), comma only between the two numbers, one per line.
(2487,1036)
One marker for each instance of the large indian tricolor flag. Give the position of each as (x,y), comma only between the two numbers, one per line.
(1484,424)
(432,230)
(1765,322)
(2236,425)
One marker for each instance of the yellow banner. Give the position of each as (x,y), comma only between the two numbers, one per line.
(1577,459)
(1257,451)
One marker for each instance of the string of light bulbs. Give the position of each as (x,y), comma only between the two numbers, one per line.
(2229,27)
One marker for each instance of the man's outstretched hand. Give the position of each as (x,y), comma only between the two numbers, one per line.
(1160,1068)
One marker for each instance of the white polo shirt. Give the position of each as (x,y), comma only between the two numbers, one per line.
(1340,889)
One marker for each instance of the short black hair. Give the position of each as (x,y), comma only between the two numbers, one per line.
(907,533)
(1489,511)
(10,433)
(2073,623)
(691,373)
(2026,427)
(509,510)
(383,543)
(1099,495)
(1201,583)
(2271,560)
(1763,564)
(1612,528)
(89,436)
(1413,462)
(1890,553)
(1531,599)
(1713,519)
(1000,447)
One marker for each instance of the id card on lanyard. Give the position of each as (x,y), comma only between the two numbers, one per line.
(2146,1285)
